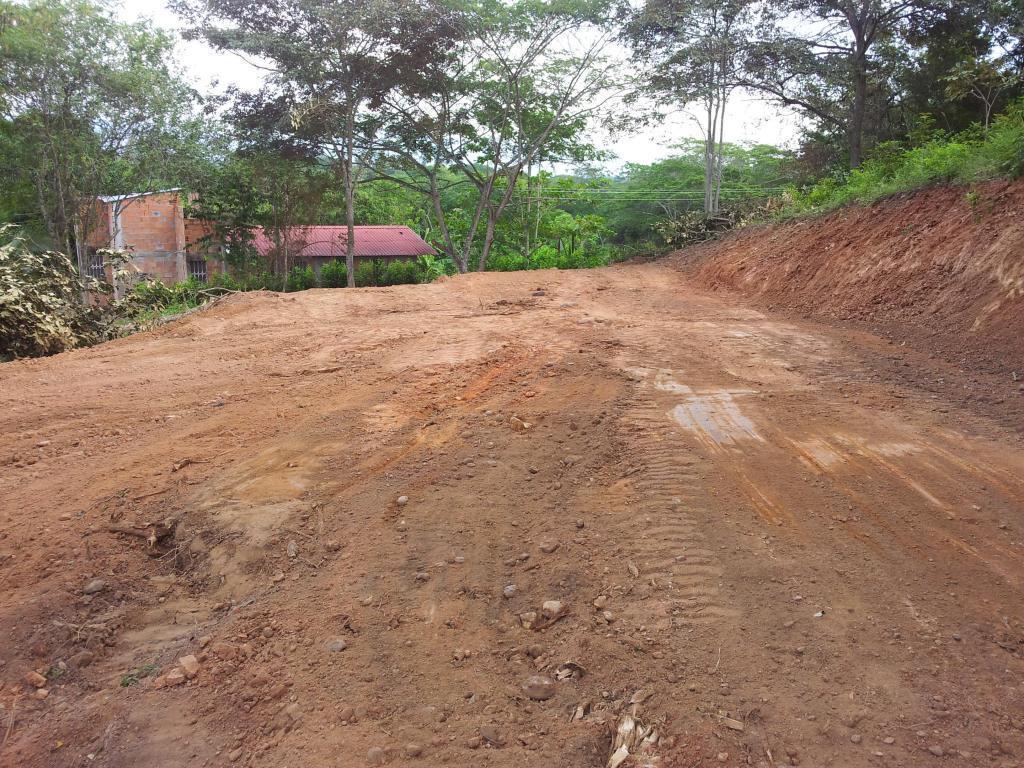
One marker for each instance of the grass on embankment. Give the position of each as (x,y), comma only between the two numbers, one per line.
(972,156)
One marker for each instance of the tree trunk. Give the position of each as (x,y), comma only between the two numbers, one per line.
(442,222)
(348,181)
(859,107)
(485,251)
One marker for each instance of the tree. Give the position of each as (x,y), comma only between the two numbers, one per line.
(984,80)
(518,93)
(819,56)
(693,51)
(88,106)
(329,64)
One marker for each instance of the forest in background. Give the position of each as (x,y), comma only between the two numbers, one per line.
(473,121)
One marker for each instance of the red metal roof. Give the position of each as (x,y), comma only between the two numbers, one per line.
(329,242)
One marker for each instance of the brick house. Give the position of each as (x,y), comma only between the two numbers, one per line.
(169,246)
(165,245)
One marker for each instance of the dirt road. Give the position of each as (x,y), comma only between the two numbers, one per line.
(374,515)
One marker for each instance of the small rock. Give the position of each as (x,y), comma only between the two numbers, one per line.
(608,616)
(82,659)
(375,756)
(580,524)
(856,738)
(403,500)
(292,549)
(335,644)
(552,608)
(346,714)
(34,679)
(413,750)
(539,688)
(888,740)
(278,577)
(518,424)
(94,587)
(510,590)
(175,677)
(473,742)
(491,735)
(189,665)
(547,547)
(422,576)
(936,750)
(235,755)
(40,693)
(225,651)
(600,602)
(723,757)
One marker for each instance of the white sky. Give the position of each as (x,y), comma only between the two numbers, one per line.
(748,120)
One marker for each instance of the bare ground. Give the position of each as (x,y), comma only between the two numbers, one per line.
(801,557)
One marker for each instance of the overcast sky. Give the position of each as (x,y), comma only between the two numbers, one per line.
(748,119)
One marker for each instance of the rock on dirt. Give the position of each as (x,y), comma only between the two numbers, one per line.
(94,587)
(491,735)
(539,687)
(189,665)
(552,608)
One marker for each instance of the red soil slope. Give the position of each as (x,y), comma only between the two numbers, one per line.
(941,269)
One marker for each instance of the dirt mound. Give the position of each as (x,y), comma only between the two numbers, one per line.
(513,520)
(942,269)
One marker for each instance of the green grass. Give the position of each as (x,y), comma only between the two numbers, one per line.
(966,158)
(133,676)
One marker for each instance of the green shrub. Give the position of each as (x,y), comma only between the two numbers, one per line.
(433,267)
(334,274)
(301,278)
(262,281)
(399,272)
(366,274)
(506,262)
(225,281)
(967,157)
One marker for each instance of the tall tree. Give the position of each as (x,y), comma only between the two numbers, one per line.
(329,65)
(693,51)
(520,92)
(821,57)
(88,105)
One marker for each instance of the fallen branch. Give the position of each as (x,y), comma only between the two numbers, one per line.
(10,722)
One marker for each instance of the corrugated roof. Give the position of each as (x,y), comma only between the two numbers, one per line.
(116,198)
(323,241)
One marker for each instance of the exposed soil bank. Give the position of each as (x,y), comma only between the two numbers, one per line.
(941,269)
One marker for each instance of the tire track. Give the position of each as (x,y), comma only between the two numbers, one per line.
(671,554)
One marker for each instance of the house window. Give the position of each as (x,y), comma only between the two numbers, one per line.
(94,265)
(197,269)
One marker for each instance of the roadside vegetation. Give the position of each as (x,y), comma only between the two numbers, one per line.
(968,157)
(484,126)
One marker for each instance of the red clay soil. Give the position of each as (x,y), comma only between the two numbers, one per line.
(350,528)
(940,269)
